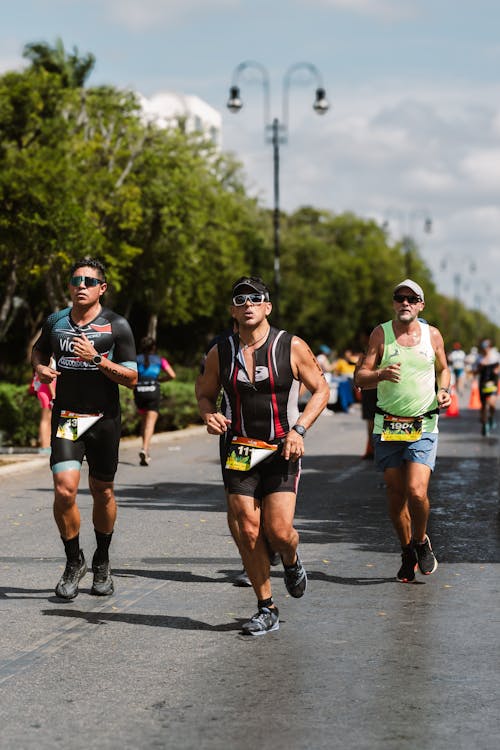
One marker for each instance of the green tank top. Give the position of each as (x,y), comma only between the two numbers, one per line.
(415,394)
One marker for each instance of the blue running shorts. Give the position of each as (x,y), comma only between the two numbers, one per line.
(390,454)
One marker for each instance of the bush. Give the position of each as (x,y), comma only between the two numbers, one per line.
(19,415)
(20,412)
(178,408)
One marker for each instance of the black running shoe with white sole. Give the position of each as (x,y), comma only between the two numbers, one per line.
(427,562)
(406,573)
(295,578)
(144,459)
(103,583)
(264,621)
(67,587)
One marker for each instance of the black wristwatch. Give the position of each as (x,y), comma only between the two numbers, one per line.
(97,359)
(300,430)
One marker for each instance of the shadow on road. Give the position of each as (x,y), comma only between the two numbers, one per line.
(155,621)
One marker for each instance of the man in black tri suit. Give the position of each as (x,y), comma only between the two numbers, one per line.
(94,352)
(260,369)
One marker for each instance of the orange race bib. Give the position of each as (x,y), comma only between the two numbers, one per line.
(245,453)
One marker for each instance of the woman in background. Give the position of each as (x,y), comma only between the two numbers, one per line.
(150,367)
(45,394)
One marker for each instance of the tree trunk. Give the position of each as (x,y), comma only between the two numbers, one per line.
(153,325)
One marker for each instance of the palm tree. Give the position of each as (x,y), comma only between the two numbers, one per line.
(73,69)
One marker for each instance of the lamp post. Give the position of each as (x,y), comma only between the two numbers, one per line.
(406,219)
(276,135)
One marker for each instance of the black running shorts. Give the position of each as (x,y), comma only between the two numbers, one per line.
(99,445)
(275,474)
(147,396)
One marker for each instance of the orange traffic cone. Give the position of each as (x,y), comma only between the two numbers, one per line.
(474,400)
(453,410)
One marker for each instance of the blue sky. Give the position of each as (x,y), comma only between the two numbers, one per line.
(414,87)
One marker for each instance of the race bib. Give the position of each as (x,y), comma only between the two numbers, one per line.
(489,387)
(245,453)
(402,428)
(72,425)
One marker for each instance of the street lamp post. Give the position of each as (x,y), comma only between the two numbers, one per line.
(276,134)
(407,236)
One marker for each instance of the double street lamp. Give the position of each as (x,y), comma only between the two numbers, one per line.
(276,134)
(408,234)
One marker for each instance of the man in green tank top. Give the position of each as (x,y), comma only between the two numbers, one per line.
(407,364)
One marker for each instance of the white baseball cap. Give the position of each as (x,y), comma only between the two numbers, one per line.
(411,285)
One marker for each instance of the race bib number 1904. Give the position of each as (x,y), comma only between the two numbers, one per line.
(408,429)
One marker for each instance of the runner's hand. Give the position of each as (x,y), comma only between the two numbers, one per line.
(216,423)
(293,446)
(84,348)
(46,374)
(443,399)
(391,373)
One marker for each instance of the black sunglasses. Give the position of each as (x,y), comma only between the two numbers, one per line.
(85,280)
(411,298)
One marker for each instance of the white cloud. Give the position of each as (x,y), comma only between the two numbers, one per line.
(483,168)
(388,10)
(143,14)
(430,180)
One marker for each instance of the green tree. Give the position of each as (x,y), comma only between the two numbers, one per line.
(72,69)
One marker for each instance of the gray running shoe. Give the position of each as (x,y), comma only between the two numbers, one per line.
(103,583)
(264,621)
(67,587)
(406,573)
(242,579)
(295,579)
(427,562)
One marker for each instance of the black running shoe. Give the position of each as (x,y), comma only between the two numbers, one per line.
(274,557)
(103,583)
(264,621)
(242,579)
(295,579)
(144,459)
(427,562)
(67,588)
(406,573)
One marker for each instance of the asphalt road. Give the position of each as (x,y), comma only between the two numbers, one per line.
(360,662)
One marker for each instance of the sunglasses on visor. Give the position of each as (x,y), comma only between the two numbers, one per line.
(411,298)
(256,299)
(85,280)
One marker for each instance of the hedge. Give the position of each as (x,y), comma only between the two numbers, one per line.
(20,412)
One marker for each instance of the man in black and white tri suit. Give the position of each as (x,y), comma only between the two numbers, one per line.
(260,370)
(94,352)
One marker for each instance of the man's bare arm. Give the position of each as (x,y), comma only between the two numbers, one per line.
(207,389)
(306,368)
(369,374)
(443,375)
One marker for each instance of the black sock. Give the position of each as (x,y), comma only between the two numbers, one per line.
(103,541)
(265,602)
(72,548)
